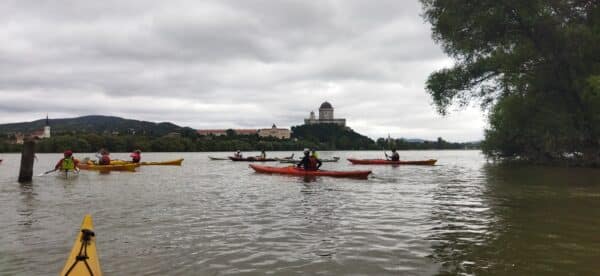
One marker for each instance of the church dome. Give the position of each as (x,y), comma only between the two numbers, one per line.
(326,105)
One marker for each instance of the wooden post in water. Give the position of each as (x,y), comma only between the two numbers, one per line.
(27,156)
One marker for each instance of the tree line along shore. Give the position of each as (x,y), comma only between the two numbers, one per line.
(322,137)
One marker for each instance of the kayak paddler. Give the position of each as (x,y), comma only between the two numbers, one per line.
(308,162)
(103,157)
(136,156)
(68,162)
(263,155)
(314,153)
(395,156)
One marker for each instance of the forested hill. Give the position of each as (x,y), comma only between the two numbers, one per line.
(94,124)
(331,136)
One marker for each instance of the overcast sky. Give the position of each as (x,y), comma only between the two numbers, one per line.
(226,64)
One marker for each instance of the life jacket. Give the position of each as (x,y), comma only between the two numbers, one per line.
(105,160)
(67,164)
(135,157)
(312,164)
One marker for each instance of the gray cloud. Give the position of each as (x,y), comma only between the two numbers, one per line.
(225,63)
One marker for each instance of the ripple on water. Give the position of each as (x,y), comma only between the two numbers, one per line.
(219,217)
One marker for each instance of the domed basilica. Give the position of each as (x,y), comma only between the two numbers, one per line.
(325,116)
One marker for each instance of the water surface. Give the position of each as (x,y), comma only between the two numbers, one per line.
(463,216)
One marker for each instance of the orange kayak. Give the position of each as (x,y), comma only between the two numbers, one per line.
(429,162)
(292,170)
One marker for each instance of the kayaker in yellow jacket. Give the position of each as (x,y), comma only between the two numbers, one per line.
(68,162)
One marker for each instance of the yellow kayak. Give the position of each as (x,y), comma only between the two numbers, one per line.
(176,162)
(83,259)
(107,168)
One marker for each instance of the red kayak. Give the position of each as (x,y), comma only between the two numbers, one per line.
(292,170)
(429,162)
(252,159)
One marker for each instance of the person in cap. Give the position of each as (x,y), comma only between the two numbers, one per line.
(314,153)
(237,154)
(68,162)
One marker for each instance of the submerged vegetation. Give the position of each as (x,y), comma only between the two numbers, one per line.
(535,65)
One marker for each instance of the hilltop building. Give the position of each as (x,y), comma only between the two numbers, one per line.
(281,133)
(46,133)
(325,116)
(42,133)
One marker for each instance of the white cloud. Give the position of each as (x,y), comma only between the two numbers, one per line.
(226,64)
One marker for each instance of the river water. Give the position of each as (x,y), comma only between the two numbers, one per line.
(462,216)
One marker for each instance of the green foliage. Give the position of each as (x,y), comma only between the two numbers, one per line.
(322,137)
(534,64)
(331,136)
(440,144)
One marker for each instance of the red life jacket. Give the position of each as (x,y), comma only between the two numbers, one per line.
(312,164)
(105,160)
(135,157)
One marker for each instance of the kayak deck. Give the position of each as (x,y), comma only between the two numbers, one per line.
(218,158)
(252,159)
(429,162)
(83,259)
(176,162)
(68,175)
(107,168)
(292,170)
(334,159)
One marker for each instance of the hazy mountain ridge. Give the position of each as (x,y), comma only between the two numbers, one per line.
(94,124)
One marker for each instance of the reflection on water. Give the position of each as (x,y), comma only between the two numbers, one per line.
(538,221)
(219,217)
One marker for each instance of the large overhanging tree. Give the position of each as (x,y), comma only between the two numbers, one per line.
(534,64)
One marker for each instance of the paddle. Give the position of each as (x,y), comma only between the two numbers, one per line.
(45,173)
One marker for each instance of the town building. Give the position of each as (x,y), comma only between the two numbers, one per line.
(280,133)
(19,138)
(221,132)
(325,116)
(46,133)
(274,131)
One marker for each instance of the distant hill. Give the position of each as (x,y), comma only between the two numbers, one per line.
(331,136)
(95,124)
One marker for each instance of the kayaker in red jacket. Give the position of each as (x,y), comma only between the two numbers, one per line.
(308,162)
(136,156)
(68,162)
(103,157)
